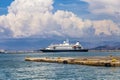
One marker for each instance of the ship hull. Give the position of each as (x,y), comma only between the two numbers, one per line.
(82,50)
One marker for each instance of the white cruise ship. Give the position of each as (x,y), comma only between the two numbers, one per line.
(65,47)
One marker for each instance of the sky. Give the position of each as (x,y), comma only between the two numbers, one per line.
(60,18)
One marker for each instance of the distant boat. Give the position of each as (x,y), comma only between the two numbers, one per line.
(2,51)
(65,47)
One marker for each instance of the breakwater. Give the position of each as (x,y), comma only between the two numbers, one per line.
(108,61)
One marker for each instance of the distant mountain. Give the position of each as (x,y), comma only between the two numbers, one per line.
(115,46)
(36,43)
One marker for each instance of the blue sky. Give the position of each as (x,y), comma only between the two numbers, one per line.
(76,6)
(61,18)
(3,6)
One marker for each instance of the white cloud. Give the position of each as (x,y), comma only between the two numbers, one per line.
(106,27)
(41,6)
(28,18)
(104,6)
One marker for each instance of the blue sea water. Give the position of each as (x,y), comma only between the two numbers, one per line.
(13,67)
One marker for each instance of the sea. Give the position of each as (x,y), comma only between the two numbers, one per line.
(14,67)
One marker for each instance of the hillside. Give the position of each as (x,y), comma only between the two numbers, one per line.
(108,47)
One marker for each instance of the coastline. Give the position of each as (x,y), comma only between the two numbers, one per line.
(22,52)
(104,51)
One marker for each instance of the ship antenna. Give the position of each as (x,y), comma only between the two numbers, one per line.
(67,40)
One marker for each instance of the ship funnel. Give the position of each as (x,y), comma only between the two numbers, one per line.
(77,43)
